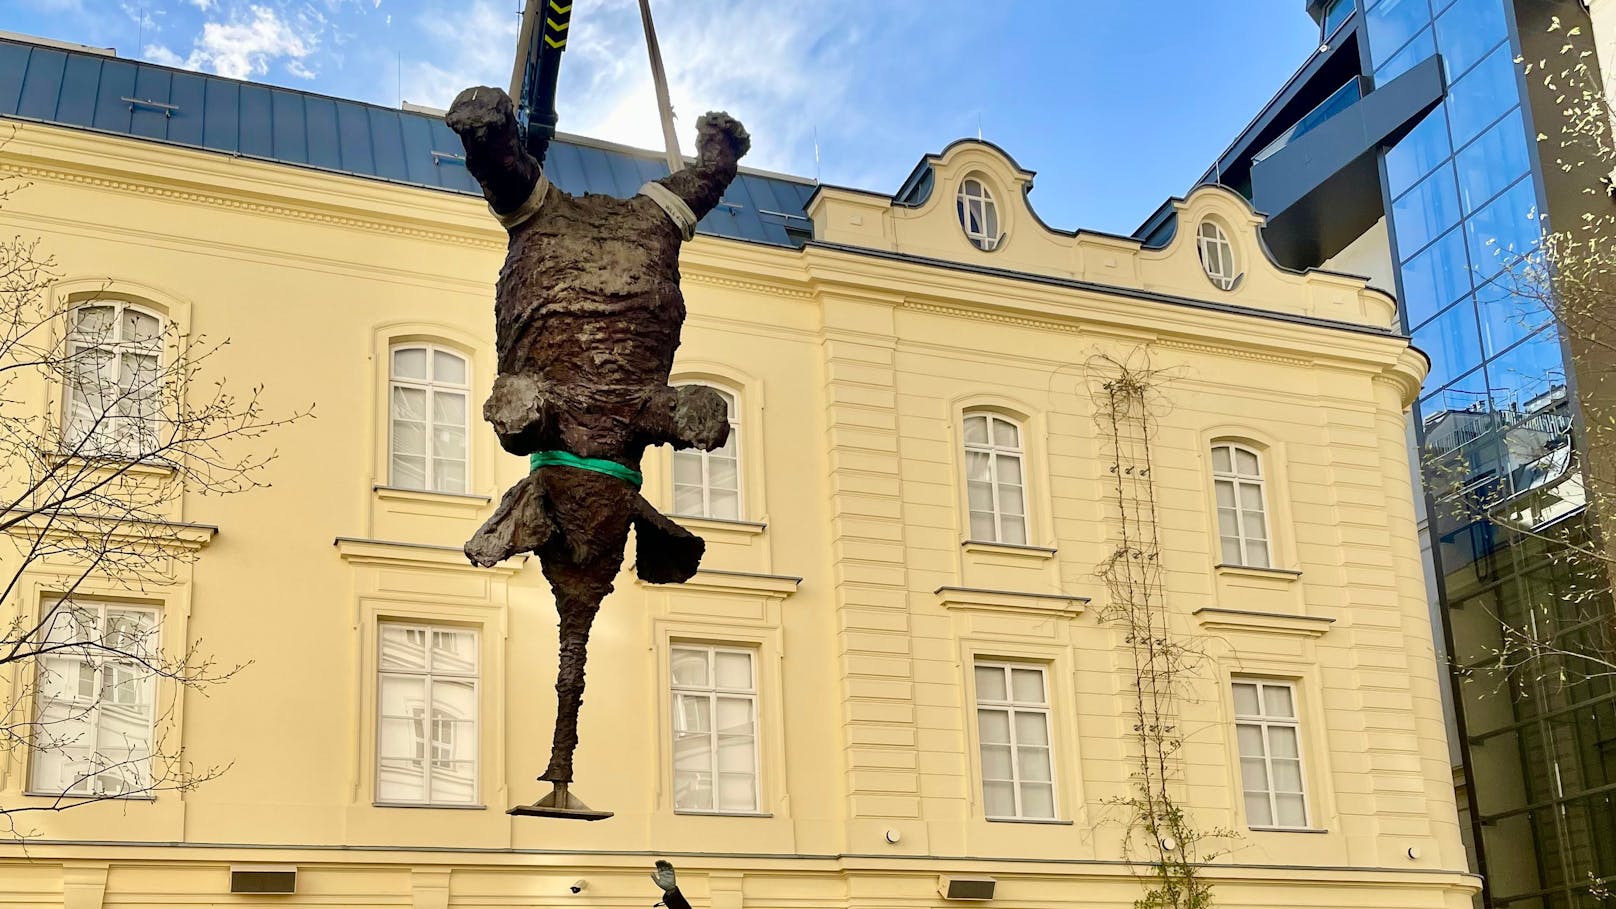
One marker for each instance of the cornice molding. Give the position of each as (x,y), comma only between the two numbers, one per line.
(1305,626)
(161,534)
(395,553)
(696,275)
(1013,601)
(717,580)
(234,203)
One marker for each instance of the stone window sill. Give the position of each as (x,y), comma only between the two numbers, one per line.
(1247,571)
(693,812)
(720,526)
(460,500)
(436,807)
(1011,550)
(1287,830)
(1047,822)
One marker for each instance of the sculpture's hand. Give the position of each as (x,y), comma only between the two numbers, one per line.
(663,875)
(721,138)
(479,110)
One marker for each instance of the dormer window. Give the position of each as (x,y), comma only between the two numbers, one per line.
(1217,255)
(978,215)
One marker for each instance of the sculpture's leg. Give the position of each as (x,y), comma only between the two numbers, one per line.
(577,607)
(519,524)
(578,598)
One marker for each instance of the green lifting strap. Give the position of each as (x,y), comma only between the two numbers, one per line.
(599,465)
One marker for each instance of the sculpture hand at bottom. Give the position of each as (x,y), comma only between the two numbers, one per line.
(587,317)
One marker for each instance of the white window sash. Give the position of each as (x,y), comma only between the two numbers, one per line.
(1264,724)
(1238,482)
(430,389)
(427,722)
(704,461)
(111,430)
(89,709)
(711,693)
(993,451)
(1012,708)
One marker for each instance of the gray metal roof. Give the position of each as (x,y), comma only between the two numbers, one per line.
(94,91)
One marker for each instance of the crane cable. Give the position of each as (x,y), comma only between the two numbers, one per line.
(676,161)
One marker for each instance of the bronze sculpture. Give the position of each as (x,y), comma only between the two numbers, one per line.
(587,316)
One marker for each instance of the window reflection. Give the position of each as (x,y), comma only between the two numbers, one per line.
(1452,343)
(1492,162)
(1425,146)
(1392,23)
(1522,377)
(1503,231)
(1467,31)
(1482,95)
(1421,47)
(1435,277)
(1425,211)
(1507,315)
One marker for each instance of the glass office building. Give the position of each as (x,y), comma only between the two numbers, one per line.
(1424,99)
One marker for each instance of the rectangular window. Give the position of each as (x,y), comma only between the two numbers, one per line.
(1012,718)
(94,700)
(426,698)
(715,756)
(1270,753)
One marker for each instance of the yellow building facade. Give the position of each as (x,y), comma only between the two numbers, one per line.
(898,664)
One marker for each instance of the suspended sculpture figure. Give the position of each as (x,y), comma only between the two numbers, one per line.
(587,316)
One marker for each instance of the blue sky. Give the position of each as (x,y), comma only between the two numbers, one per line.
(1116,104)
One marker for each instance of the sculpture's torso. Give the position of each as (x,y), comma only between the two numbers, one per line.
(589,300)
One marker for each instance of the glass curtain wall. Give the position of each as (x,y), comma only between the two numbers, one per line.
(1496,440)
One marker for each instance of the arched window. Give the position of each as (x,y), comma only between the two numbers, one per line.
(1242,512)
(1217,255)
(707,484)
(994,487)
(114,380)
(427,393)
(978,215)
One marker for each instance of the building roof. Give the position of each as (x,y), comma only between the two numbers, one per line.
(90,89)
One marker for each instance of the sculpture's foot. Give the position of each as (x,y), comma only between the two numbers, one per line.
(560,803)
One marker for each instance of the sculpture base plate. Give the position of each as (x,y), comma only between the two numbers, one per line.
(576,814)
(562,804)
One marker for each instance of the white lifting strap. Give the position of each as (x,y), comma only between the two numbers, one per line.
(678,212)
(526,210)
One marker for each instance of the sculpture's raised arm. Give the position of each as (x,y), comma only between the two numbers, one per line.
(721,140)
(485,120)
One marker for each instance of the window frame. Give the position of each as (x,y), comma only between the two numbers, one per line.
(1237,481)
(1222,245)
(737,423)
(963,197)
(1012,708)
(99,660)
(994,453)
(431,387)
(1264,722)
(427,757)
(118,348)
(712,693)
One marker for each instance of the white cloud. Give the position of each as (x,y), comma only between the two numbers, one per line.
(781,68)
(244,48)
(471,45)
(203,5)
(159,54)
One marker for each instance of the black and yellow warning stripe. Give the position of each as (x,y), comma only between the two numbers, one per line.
(557,16)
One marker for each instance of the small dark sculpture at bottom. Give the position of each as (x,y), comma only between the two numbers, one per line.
(664,877)
(587,316)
